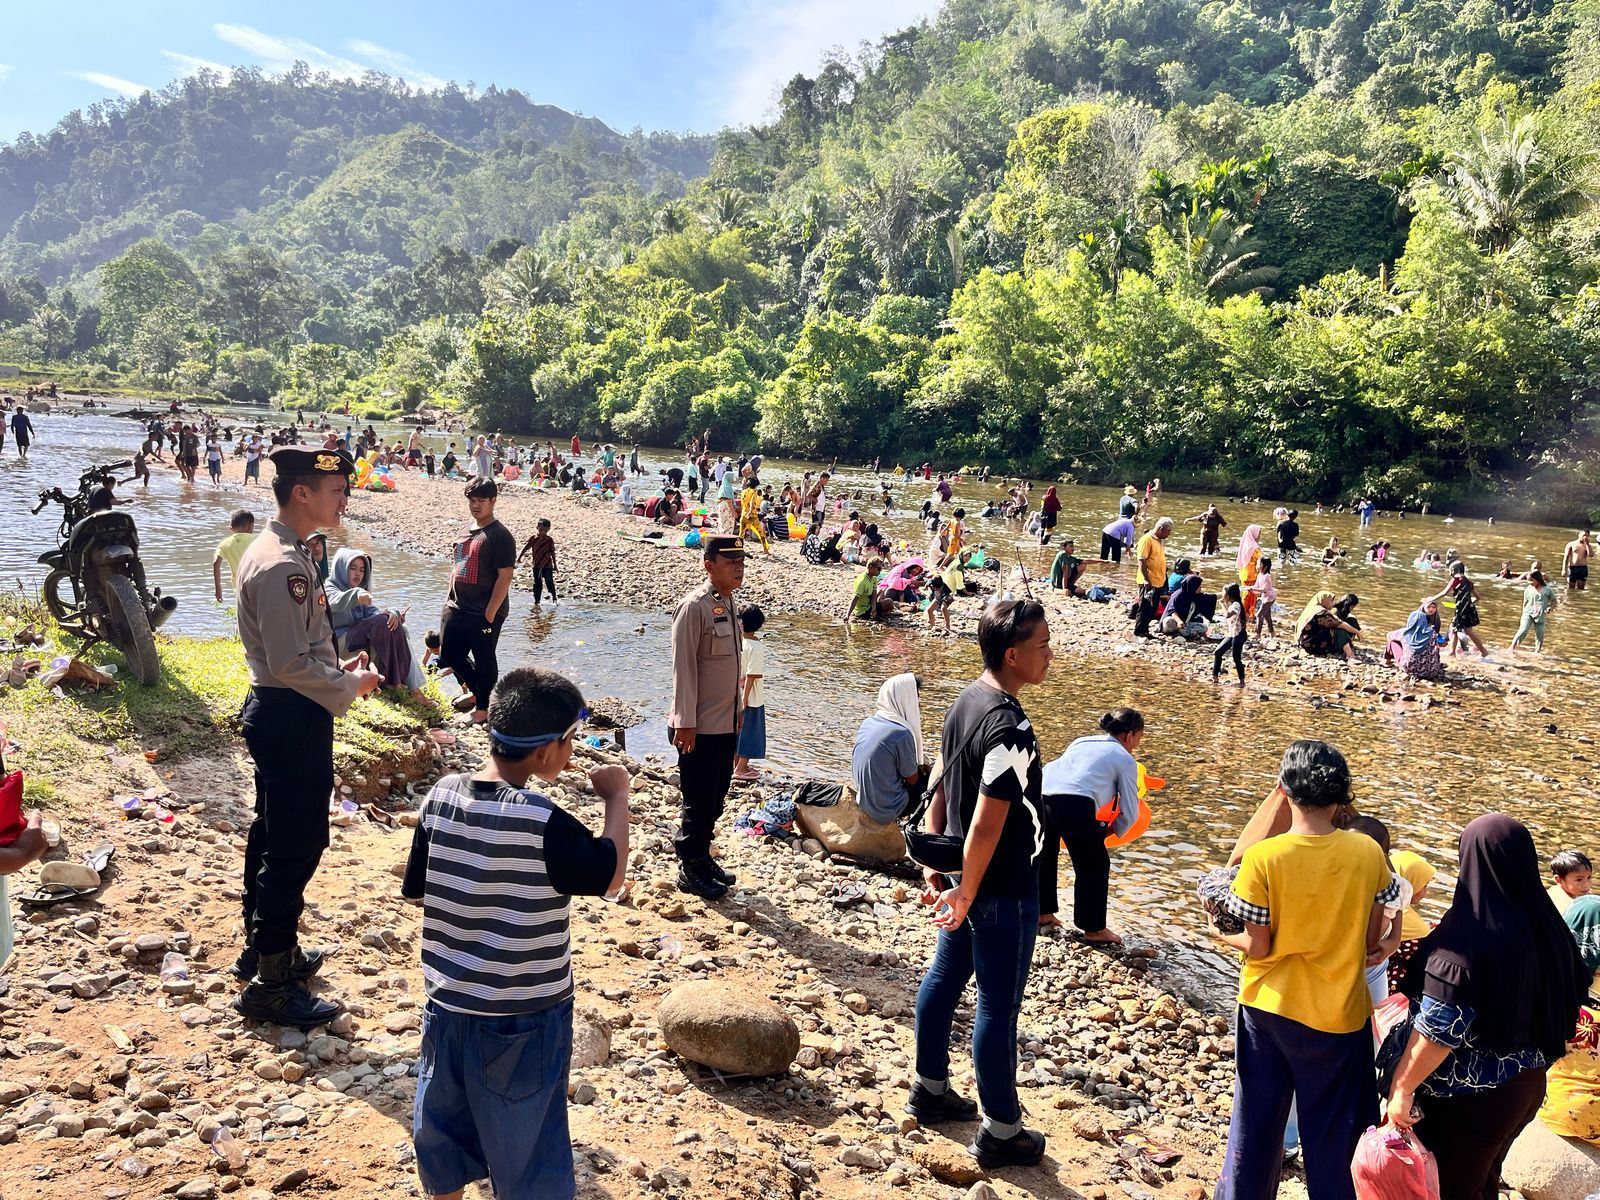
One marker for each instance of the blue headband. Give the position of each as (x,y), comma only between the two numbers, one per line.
(525,743)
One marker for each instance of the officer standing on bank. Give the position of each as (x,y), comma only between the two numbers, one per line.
(704,720)
(297,687)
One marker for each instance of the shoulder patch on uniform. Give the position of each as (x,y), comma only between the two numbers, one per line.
(299,588)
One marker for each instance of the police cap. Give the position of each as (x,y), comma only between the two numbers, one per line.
(302,460)
(723,547)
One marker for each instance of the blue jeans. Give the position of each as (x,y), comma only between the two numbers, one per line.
(995,944)
(492,1103)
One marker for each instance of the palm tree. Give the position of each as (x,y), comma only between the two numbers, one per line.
(1220,257)
(726,208)
(1119,247)
(528,280)
(1510,185)
(894,214)
(50,329)
(669,220)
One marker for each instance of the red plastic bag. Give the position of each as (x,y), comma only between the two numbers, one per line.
(1391,1164)
(12,821)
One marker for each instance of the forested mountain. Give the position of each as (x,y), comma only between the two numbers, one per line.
(328,168)
(1336,245)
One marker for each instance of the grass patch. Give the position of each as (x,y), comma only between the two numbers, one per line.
(193,709)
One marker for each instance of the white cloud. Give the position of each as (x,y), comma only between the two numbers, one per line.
(188,64)
(111,83)
(394,63)
(275,53)
(5,71)
(765,42)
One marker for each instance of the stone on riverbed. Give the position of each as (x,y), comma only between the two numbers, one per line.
(1543,1165)
(728,1028)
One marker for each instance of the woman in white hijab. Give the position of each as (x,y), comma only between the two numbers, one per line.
(886,764)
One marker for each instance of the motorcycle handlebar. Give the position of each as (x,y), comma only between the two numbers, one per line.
(43,500)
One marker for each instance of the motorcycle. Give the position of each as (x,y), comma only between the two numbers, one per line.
(95,588)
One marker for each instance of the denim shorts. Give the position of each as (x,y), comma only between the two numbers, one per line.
(492,1103)
(753,733)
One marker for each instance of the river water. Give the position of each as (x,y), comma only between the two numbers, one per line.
(1525,746)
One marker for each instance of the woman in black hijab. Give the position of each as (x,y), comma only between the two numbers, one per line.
(1494,992)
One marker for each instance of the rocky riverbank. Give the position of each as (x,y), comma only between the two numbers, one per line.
(119,1081)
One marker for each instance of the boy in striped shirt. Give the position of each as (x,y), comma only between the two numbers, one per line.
(493,865)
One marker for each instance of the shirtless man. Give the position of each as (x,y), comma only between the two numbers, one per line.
(1575,562)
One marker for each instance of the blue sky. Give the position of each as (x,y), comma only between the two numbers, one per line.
(667,64)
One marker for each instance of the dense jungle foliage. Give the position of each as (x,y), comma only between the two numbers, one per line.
(1338,245)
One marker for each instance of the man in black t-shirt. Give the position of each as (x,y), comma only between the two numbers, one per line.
(1288,535)
(480,586)
(988,915)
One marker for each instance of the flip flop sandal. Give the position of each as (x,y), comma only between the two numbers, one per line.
(47,894)
(847,894)
(379,816)
(100,857)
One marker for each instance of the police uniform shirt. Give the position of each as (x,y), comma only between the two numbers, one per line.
(284,624)
(706,662)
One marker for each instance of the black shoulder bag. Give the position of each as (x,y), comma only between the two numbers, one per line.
(940,852)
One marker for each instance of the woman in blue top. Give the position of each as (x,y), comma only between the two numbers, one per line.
(1090,774)
(1494,991)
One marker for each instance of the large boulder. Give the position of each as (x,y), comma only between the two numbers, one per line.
(1543,1165)
(843,828)
(729,1028)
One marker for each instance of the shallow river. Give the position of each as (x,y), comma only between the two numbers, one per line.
(1424,772)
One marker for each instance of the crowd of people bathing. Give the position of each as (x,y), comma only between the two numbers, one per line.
(1353,1008)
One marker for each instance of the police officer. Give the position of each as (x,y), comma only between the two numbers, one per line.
(297,687)
(704,720)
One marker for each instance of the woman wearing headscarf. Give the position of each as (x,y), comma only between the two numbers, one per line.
(317,543)
(1187,609)
(361,625)
(1495,991)
(1321,632)
(1092,773)
(886,763)
(899,585)
(1049,508)
(1249,564)
(1419,642)
(1419,873)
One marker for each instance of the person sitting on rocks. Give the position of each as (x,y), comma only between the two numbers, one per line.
(1321,632)
(886,763)
(360,625)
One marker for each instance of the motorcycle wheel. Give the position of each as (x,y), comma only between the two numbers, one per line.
(130,627)
(61,607)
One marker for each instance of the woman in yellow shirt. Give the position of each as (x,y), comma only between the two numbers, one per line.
(750,513)
(1312,905)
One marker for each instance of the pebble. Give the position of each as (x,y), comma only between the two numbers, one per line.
(287,1183)
(197,1189)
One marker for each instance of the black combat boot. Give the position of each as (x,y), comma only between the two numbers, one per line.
(714,869)
(302,968)
(275,995)
(694,878)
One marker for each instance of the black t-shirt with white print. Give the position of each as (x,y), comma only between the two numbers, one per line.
(989,748)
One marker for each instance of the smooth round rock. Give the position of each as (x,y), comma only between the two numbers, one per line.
(728,1028)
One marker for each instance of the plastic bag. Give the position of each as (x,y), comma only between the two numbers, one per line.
(1391,1164)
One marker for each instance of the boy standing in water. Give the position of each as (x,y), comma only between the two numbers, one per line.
(542,549)
(231,549)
